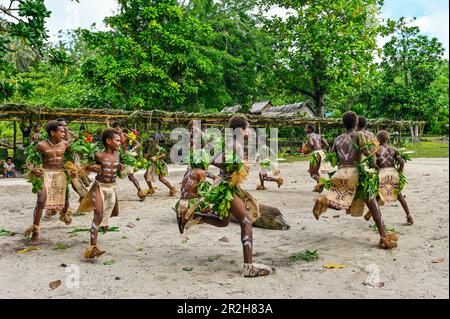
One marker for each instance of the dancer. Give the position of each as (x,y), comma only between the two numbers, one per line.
(266,166)
(124,146)
(315,145)
(370,137)
(226,198)
(52,195)
(102,197)
(344,183)
(391,178)
(157,167)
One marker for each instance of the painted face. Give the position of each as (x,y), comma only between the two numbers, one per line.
(59,134)
(114,142)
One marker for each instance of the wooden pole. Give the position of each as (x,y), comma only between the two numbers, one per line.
(14,137)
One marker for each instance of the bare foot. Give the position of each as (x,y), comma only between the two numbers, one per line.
(318,188)
(256,270)
(261,188)
(280,182)
(49,213)
(142,195)
(105,229)
(93,252)
(409,220)
(388,242)
(181,218)
(368,216)
(66,218)
(173,191)
(34,241)
(319,207)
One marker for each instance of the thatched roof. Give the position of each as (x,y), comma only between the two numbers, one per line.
(232,109)
(302,109)
(259,107)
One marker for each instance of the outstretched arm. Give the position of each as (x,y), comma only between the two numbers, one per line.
(399,160)
(325,144)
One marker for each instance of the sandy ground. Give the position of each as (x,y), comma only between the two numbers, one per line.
(149,258)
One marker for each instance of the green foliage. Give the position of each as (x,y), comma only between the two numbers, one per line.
(314,159)
(307,255)
(220,197)
(324,46)
(368,180)
(332,158)
(200,159)
(4,232)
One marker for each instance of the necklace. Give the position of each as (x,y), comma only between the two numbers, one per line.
(50,142)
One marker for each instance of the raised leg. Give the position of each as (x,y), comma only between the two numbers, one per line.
(135,182)
(387,241)
(93,250)
(172,189)
(402,200)
(37,214)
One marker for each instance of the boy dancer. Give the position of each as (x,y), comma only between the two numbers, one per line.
(389,190)
(233,173)
(368,135)
(349,148)
(318,167)
(266,166)
(53,194)
(124,145)
(157,167)
(102,197)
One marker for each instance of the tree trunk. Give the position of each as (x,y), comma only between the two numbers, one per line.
(416,133)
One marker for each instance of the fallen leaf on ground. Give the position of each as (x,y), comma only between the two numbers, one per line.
(4,232)
(333,266)
(438,261)
(22,251)
(55,284)
(188,268)
(374,284)
(130,225)
(213,258)
(224,239)
(109,262)
(336,216)
(138,218)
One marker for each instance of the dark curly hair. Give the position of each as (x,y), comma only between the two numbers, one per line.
(108,134)
(52,126)
(238,121)
(350,120)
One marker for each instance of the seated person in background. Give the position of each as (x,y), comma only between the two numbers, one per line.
(2,162)
(9,169)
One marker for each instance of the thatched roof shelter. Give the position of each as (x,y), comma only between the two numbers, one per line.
(232,109)
(301,109)
(259,107)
